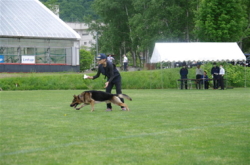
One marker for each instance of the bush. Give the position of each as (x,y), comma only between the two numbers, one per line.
(86,59)
(146,79)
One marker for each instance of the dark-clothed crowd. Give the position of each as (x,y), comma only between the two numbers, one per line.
(201,77)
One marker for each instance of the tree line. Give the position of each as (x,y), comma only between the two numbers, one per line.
(133,26)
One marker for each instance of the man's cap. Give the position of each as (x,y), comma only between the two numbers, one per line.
(101,56)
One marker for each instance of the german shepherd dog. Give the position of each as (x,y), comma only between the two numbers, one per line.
(92,97)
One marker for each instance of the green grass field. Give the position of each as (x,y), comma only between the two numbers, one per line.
(179,127)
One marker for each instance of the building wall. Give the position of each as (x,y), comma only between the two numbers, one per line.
(87,39)
(38,68)
(38,55)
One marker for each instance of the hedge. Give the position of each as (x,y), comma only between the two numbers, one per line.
(145,79)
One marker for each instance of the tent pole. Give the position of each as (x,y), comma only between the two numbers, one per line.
(161,76)
(245,76)
(151,75)
(203,78)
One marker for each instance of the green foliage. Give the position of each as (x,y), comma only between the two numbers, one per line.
(35,81)
(142,25)
(86,59)
(152,79)
(71,11)
(221,21)
(235,74)
(115,33)
(50,4)
(133,26)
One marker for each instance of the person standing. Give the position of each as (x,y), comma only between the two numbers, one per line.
(199,73)
(184,73)
(204,80)
(125,62)
(110,58)
(221,77)
(109,70)
(215,74)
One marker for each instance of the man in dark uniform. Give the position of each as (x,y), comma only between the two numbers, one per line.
(215,73)
(184,73)
(109,70)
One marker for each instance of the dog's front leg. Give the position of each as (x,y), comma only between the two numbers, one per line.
(92,103)
(81,106)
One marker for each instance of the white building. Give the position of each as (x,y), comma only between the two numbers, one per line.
(87,39)
(32,38)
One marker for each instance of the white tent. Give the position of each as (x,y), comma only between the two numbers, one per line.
(197,51)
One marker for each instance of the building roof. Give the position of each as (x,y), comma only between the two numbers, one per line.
(31,19)
(197,51)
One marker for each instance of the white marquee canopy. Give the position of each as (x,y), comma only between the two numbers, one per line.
(197,51)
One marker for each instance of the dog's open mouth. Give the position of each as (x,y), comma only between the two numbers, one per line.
(73,105)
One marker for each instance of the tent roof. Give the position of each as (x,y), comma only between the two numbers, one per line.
(197,51)
(30,18)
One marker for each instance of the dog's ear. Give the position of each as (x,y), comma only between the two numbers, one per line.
(74,96)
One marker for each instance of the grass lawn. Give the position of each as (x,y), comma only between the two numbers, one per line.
(170,126)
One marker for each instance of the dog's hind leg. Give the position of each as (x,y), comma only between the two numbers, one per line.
(117,101)
(124,105)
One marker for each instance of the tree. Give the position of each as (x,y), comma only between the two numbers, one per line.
(71,11)
(221,21)
(86,59)
(112,26)
(158,21)
(245,40)
(51,4)
(133,26)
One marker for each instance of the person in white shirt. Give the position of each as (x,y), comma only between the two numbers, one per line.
(110,58)
(199,73)
(221,77)
(125,63)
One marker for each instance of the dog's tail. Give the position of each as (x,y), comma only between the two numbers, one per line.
(124,96)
